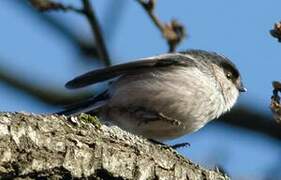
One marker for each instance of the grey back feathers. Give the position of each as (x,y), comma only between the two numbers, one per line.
(186,58)
(127,68)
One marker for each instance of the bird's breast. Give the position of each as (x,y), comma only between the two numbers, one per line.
(183,94)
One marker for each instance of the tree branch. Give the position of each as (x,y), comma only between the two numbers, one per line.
(242,117)
(100,43)
(47,94)
(37,146)
(174,32)
(88,12)
(275,102)
(276,31)
(47,5)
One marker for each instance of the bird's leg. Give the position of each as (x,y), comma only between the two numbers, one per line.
(147,116)
(168,119)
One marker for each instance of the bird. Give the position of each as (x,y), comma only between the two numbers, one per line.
(164,96)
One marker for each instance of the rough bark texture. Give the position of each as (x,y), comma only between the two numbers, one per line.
(55,147)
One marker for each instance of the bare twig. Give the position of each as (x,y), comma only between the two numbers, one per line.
(173,32)
(46,5)
(88,12)
(275,101)
(83,47)
(276,31)
(100,44)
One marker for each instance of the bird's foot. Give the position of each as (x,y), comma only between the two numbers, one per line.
(175,146)
(180,145)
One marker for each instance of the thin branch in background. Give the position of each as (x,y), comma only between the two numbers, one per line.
(100,43)
(276,31)
(46,5)
(85,48)
(88,12)
(174,32)
(46,94)
(258,122)
(49,95)
(275,101)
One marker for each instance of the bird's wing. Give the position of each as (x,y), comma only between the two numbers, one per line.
(85,106)
(120,69)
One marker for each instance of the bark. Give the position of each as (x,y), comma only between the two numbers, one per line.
(56,147)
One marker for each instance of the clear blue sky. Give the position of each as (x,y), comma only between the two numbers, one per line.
(238,29)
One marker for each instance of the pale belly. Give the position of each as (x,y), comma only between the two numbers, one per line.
(190,102)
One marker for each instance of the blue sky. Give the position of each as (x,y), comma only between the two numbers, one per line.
(238,29)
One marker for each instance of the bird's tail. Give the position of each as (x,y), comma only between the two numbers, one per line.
(87,106)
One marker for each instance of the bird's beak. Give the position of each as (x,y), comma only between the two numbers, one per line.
(241,87)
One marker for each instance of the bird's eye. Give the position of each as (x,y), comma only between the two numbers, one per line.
(228,75)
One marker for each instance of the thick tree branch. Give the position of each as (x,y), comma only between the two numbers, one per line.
(37,146)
